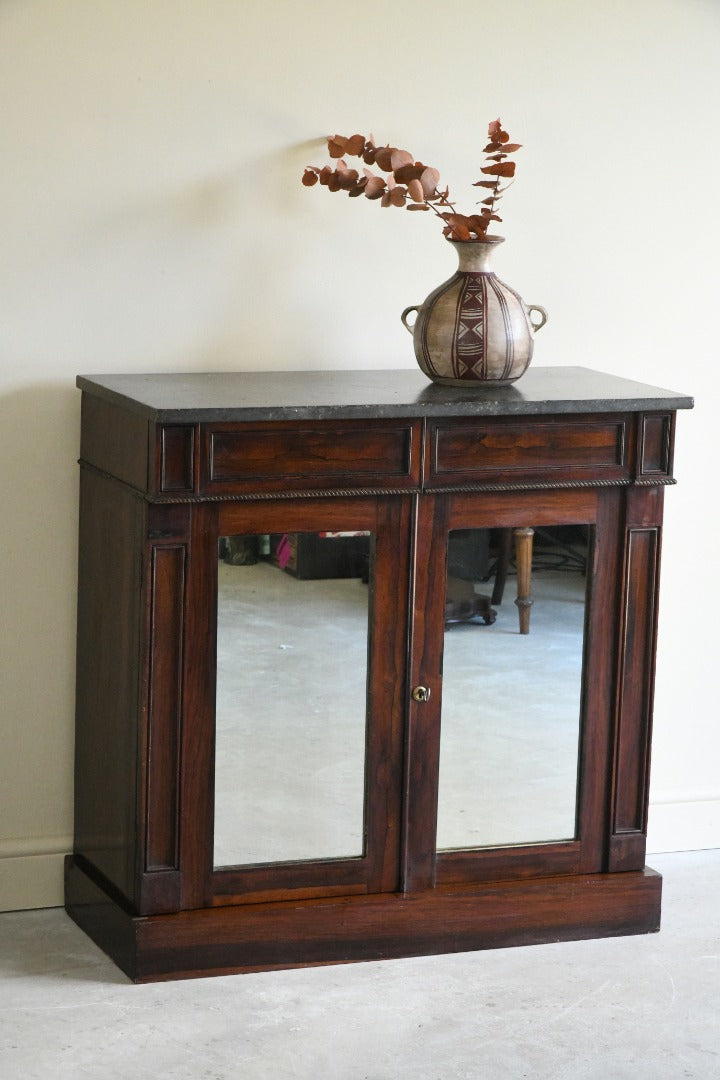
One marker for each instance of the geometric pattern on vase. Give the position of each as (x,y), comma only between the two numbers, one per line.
(469,359)
(474,350)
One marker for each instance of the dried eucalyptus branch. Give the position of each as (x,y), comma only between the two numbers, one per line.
(412,184)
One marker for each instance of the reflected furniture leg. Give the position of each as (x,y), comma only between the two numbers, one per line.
(523,559)
(501,565)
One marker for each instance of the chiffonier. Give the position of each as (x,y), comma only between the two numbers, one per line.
(285,752)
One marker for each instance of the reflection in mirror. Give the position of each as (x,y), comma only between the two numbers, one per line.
(292,645)
(511,702)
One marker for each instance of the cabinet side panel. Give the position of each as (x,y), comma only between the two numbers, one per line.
(107,679)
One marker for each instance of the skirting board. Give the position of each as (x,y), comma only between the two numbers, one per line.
(683,825)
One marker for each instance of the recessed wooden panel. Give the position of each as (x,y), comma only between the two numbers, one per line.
(165,707)
(177,454)
(507,863)
(487,450)
(635,703)
(285,456)
(656,445)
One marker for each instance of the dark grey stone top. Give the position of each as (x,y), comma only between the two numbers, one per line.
(327,395)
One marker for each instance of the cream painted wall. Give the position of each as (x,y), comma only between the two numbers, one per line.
(151,219)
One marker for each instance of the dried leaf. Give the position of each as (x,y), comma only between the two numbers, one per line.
(355,145)
(374,187)
(336,145)
(415,191)
(382,158)
(398,158)
(458,231)
(485,183)
(496,133)
(405,173)
(429,178)
(511,147)
(394,197)
(502,168)
(347,178)
(456,219)
(477,223)
(309,177)
(418,206)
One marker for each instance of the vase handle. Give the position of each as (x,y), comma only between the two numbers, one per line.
(403,317)
(543,316)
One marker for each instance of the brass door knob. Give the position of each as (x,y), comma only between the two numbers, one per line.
(421,693)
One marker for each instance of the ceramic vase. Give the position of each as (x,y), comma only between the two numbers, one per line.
(474,330)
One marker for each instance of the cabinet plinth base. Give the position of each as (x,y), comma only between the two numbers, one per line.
(225,940)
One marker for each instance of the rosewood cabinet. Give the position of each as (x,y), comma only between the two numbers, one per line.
(284,754)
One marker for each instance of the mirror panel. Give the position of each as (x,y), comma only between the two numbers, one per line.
(292,670)
(511,702)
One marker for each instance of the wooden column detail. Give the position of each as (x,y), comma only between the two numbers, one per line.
(627,843)
(167,575)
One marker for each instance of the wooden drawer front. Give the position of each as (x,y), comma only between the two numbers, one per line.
(495,451)
(279,457)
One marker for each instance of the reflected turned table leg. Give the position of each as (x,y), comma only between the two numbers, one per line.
(523,559)
(504,541)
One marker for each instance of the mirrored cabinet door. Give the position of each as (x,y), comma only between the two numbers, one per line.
(512,641)
(307,730)
(291,723)
(511,701)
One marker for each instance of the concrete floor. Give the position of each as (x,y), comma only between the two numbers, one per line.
(645,1008)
